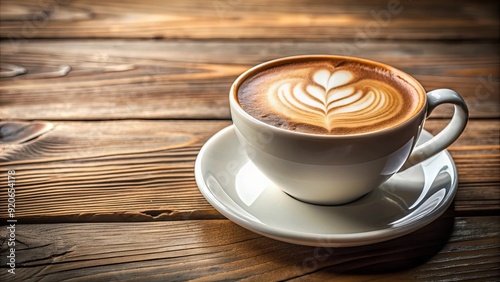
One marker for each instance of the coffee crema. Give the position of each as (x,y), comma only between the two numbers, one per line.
(329,96)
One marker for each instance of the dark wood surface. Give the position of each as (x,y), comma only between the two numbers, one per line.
(104,106)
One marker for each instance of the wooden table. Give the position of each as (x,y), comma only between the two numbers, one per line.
(104,106)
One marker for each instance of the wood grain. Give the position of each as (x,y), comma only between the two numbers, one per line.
(143,170)
(106,171)
(104,106)
(238,19)
(117,79)
(214,250)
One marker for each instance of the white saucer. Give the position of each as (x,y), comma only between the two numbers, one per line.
(237,189)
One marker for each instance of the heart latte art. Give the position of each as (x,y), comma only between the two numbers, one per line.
(327,99)
(333,99)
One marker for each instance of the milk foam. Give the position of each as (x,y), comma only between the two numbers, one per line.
(327,99)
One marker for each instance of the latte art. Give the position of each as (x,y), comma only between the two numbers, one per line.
(323,96)
(333,99)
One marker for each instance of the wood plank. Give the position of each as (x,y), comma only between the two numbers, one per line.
(117,79)
(109,171)
(215,250)
(237,19)
(143,170)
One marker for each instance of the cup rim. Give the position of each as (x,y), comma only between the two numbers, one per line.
(235,105)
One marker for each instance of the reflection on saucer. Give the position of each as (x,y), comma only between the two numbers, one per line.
(250,183)
(423,210)
(219,193)
(432,169)
(434,175)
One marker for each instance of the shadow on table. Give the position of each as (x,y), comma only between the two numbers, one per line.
(390,256)
(394,255)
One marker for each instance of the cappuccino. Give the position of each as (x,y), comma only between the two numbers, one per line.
(335,96)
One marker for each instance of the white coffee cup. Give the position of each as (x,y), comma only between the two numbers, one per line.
(337,169)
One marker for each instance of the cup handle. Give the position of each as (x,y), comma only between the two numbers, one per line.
(449,134)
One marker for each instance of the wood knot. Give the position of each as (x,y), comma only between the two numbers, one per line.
(11,70)
(22,132)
